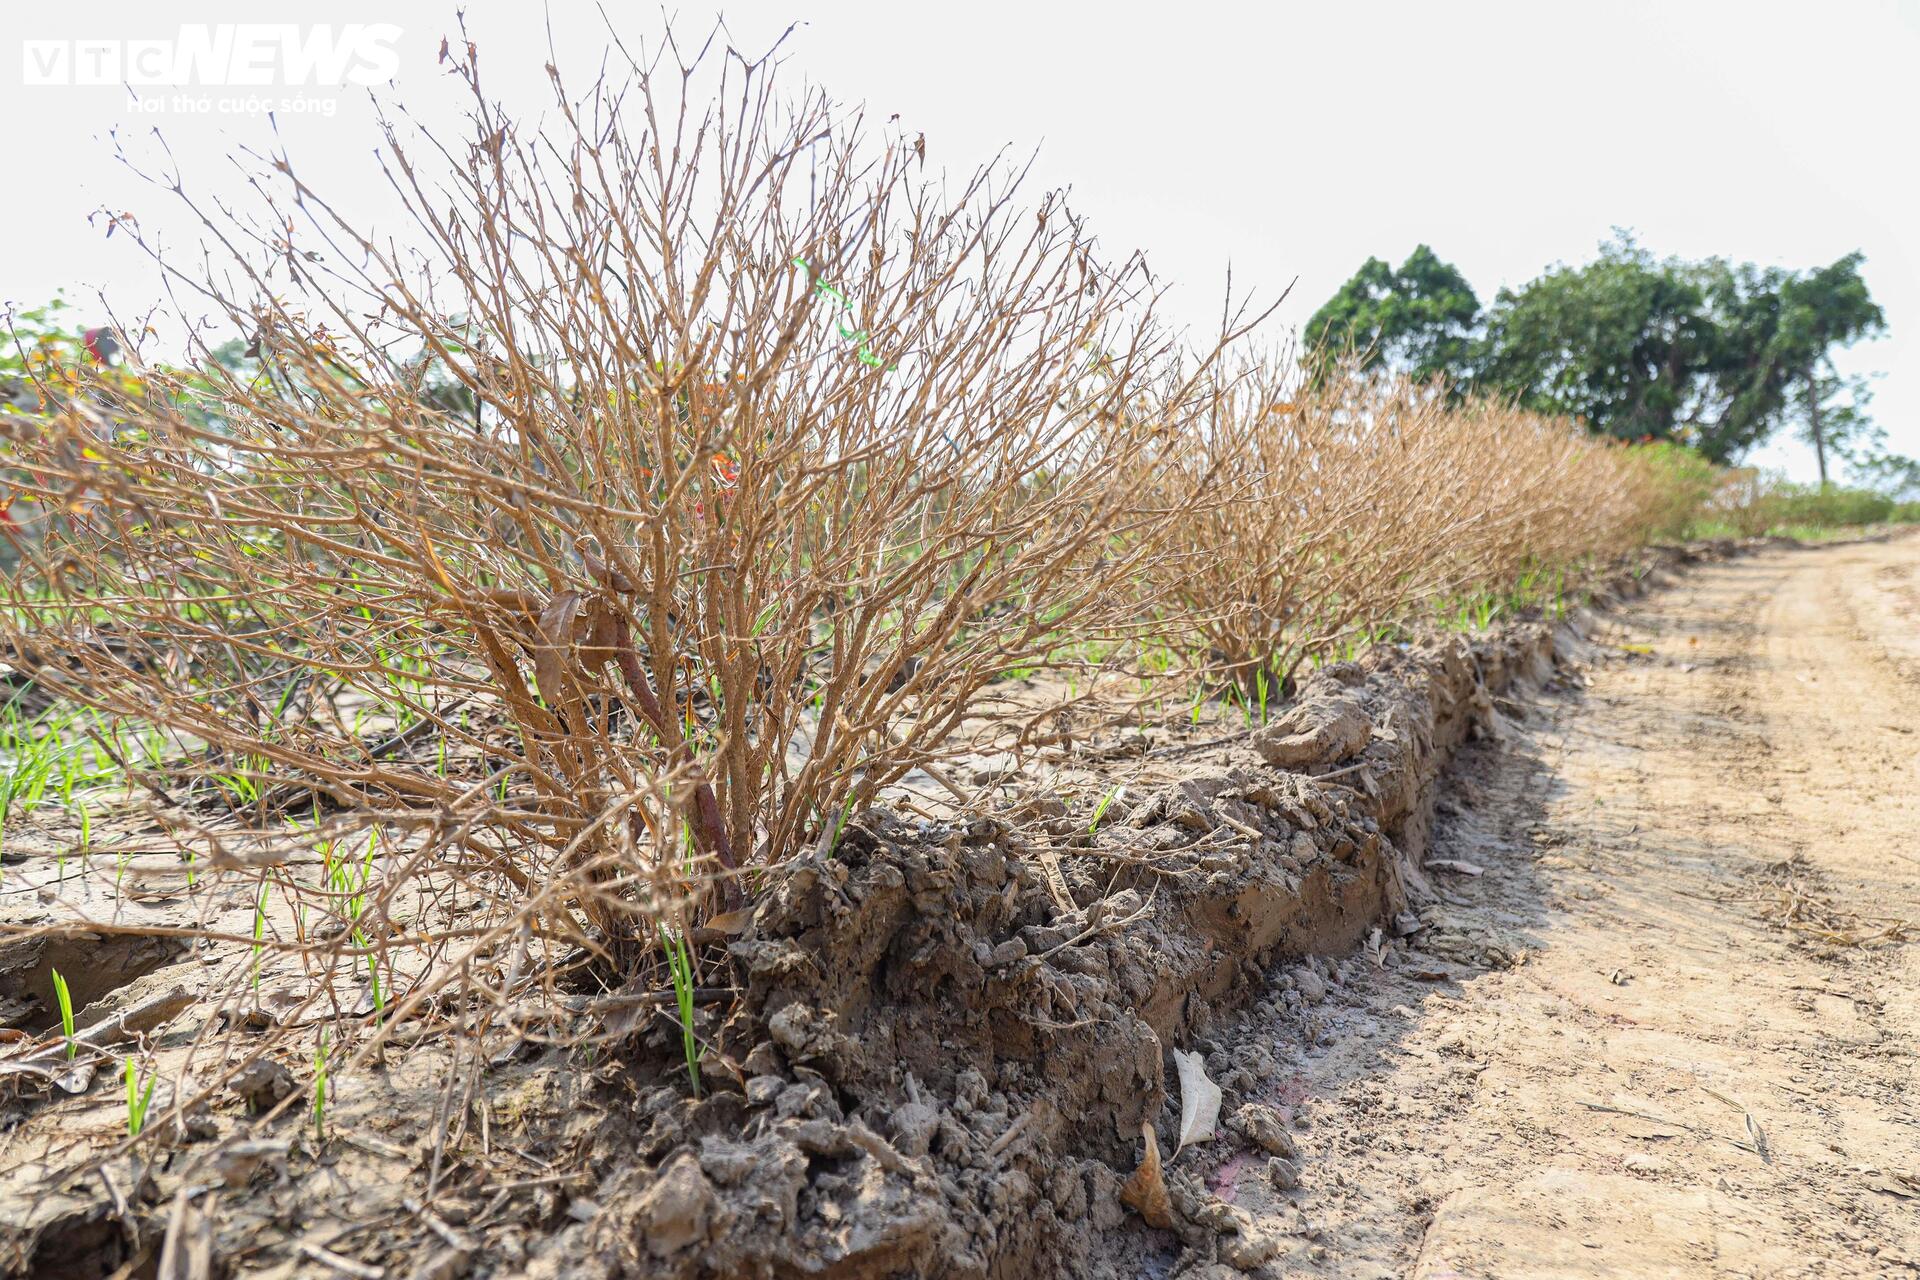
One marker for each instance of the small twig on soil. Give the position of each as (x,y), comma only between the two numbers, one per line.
(345,1266)
(1187,748)
(453,1239)
(1058,1028)
(1338,773)
(551,1180)
(954,789)
(1093,930)
(375,1147)
(187,1249)
(121,1212)
(144,1016)
(1246,829)
(1013,1131)
(1757,1146)
(1057,881)
(701,995)
(876,1146)
(903,802)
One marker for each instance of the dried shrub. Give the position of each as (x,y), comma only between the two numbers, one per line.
(1351,502)
(594,492)
(1546,494)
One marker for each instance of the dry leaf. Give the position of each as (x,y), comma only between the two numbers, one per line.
(556,647)
(602,635)
(1199,1100)
(732,923)
(1757,1138)
(1146,1190)
(77,1077)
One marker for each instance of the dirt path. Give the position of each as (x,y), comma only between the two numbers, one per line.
(1668,1042)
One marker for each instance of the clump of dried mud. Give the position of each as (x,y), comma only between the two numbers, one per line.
(951,1036)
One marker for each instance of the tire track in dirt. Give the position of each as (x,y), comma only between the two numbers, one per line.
(1694,1068)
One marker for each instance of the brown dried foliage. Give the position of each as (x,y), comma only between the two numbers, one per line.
(596,486)
(1351,502)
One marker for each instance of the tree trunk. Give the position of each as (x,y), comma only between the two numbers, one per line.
(1813,423)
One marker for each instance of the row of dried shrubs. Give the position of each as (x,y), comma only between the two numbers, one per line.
(1360,502)
(592,551)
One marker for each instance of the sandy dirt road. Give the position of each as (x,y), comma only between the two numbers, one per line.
(1677,1029)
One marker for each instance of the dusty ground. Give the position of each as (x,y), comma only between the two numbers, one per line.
(1677,1029)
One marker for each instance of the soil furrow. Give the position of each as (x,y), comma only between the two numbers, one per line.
(1676,1034)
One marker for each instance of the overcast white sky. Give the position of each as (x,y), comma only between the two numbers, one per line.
(1291,140)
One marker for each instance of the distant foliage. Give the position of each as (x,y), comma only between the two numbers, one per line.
(1750,502)
(1715,355)
(1622,343)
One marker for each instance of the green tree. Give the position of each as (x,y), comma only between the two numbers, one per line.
(1418,320)
(1777,331)
(1825,309)
(1626,343)
(1750,386)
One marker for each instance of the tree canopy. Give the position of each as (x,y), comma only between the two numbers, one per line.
(1624,344)
(1715,355)
(1419,318)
